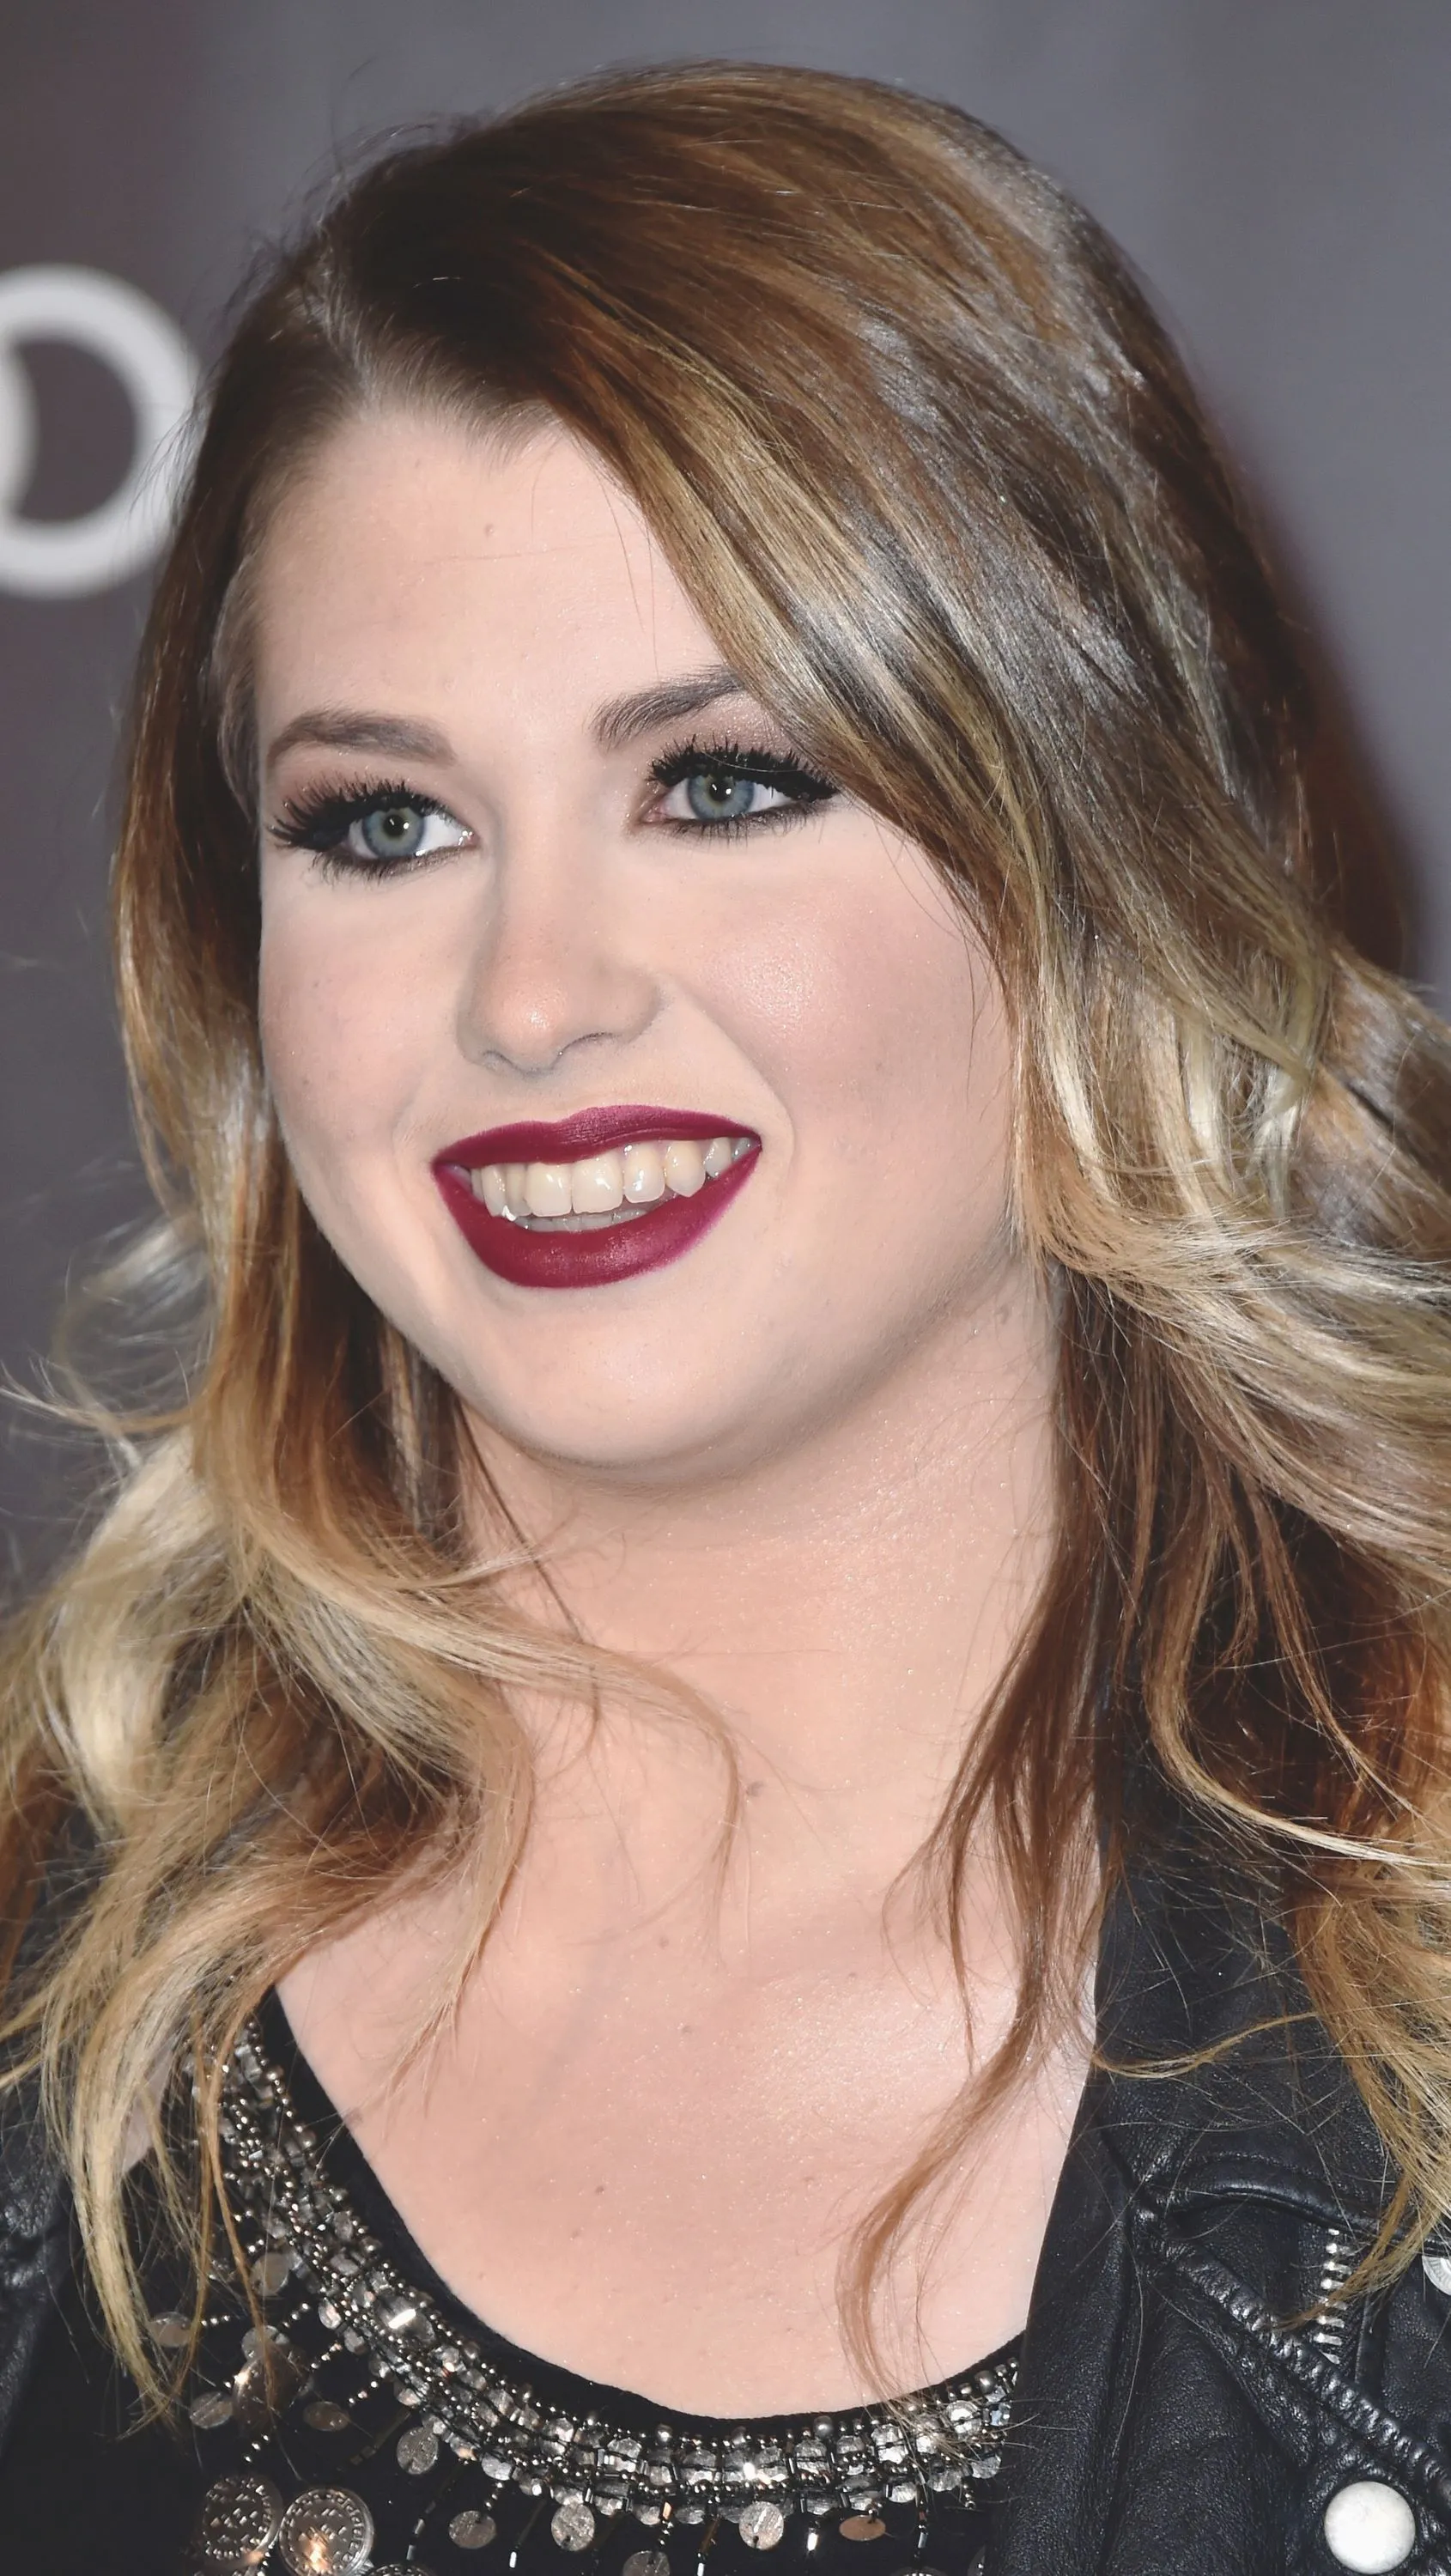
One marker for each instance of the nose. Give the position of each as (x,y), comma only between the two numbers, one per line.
(552,969)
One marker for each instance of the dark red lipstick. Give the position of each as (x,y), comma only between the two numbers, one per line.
(543,1257)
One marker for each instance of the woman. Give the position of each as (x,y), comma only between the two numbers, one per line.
(734,1841)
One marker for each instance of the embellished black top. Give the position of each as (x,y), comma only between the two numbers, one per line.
(373,2423)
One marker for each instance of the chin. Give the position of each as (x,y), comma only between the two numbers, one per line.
(667,1441)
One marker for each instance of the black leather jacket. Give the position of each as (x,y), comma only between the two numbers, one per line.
(1172,2418)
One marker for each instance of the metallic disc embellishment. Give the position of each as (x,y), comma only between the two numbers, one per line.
(270,2273)
(862,2526)
(209,2408)
(266,2384)
(646,2562)
(170,2331)
(404,2317)
(1437,2268)
(763,2526)
(573,2526)
(237,2524)
(417,2450)
(473,2530)
(1369,2527)
(322,2416)
(326,2531)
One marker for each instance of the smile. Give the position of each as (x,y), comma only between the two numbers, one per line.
(596,1198)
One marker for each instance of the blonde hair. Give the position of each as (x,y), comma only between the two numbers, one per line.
(922,457)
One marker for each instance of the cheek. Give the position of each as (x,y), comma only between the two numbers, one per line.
(878,1021)
(340,1039)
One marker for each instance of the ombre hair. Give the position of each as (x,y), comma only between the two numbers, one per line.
(924,461)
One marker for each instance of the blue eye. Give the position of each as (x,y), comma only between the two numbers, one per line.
(403,829)
(373,831)
(714,787)
(721,796)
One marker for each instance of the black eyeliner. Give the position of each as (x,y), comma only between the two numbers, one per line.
(738,760)
(319,820)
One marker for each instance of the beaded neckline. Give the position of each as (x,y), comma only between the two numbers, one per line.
(308,2246)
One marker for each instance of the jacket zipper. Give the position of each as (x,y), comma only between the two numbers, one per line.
(1329,2330)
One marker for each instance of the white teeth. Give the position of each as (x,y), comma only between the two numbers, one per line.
(598,1185)
(644,1174)
(638,1177)
(684,1167)
(546,1188)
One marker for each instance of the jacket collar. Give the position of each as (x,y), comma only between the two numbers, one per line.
(1213,2073)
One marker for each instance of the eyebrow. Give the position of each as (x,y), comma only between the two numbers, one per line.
(619,722)
(624,720)
(346,729)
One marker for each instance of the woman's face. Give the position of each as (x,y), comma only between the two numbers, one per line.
(533,861)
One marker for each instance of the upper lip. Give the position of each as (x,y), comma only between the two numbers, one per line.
(589,1131)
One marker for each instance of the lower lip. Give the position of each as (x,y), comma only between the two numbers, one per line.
(596,1259)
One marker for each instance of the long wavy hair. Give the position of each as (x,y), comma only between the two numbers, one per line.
(922,457)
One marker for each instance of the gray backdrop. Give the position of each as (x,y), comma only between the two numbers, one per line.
(1279,169)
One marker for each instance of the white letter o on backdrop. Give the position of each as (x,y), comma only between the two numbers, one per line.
(115,322)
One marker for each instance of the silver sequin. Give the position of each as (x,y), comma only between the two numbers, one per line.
(400,2315)
(238,2524)
(270,2273)
(862,2526)
(324,2417)
(476,2530)
(265,2387)
(573,2527)
(170,2331)
(326,2531)
(417,2450)
(209,2408)
(646,2562)
(763,2526)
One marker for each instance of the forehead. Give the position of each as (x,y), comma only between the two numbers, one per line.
(419,557)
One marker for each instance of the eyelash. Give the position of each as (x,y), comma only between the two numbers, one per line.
(320,821)
(795,779)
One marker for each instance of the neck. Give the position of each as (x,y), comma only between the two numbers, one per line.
(845,1606)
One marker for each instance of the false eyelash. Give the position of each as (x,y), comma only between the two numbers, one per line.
(767,768)
(321,820)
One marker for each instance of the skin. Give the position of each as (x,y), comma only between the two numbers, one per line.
(806,1468)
